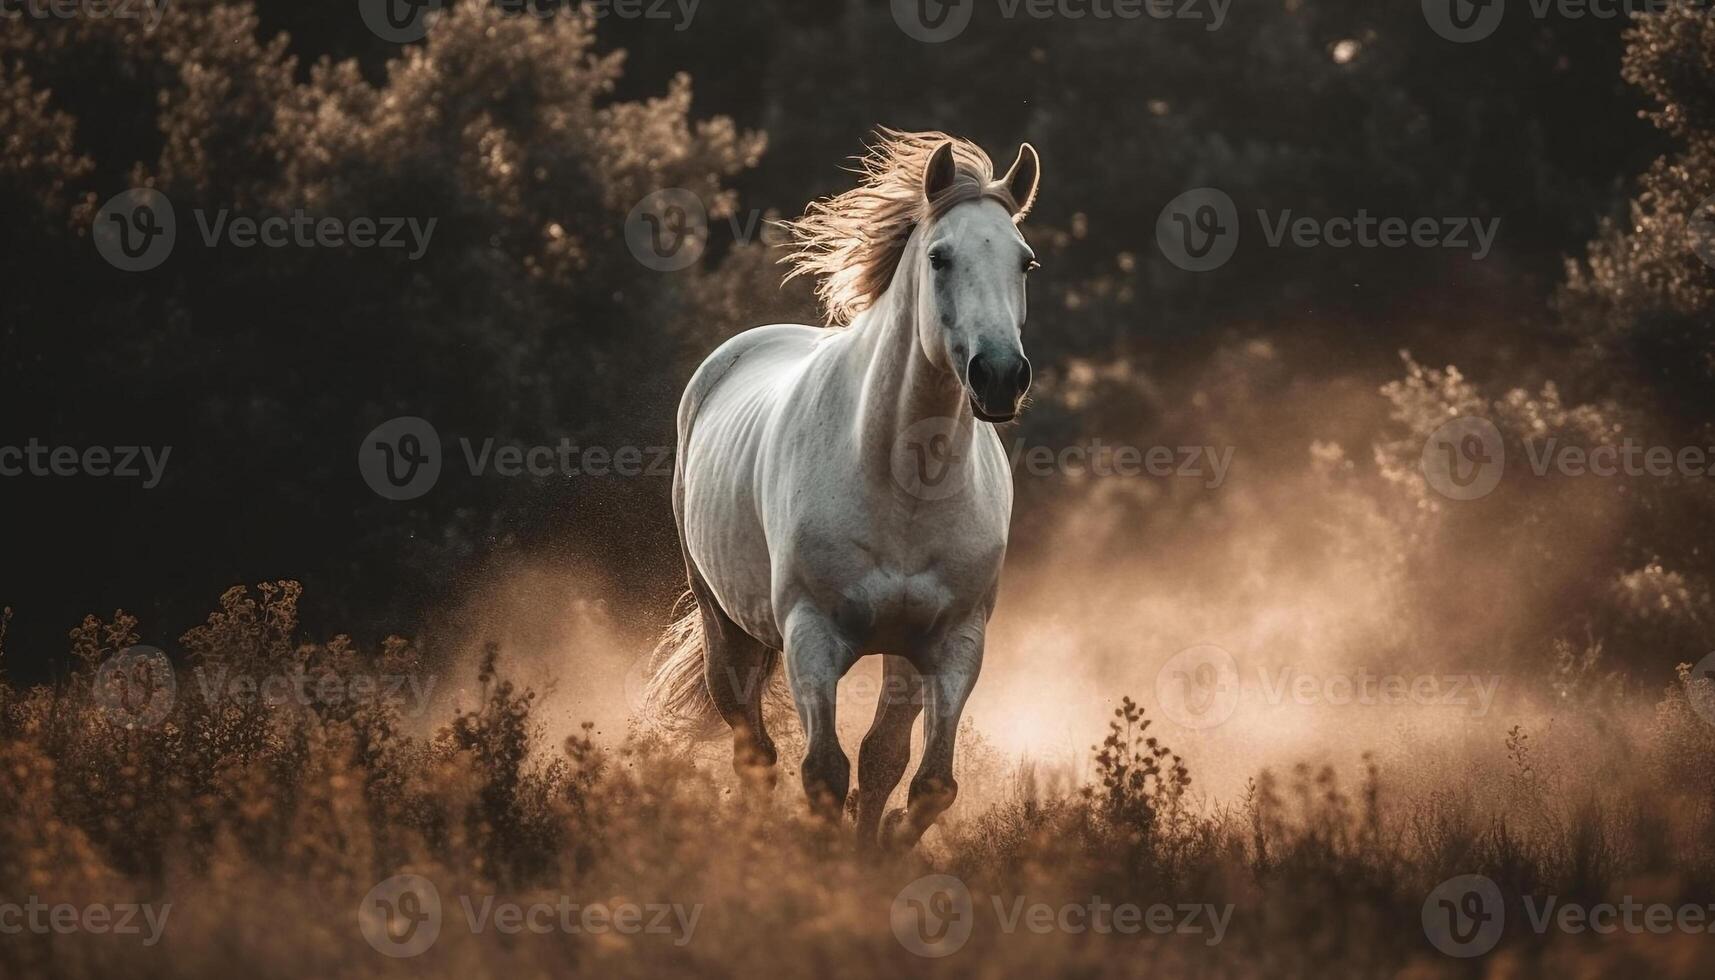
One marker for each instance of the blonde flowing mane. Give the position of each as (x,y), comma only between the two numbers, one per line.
(852,242)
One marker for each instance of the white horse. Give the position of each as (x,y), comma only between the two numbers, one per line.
(843,492)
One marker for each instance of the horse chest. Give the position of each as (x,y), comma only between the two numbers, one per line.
(890,580)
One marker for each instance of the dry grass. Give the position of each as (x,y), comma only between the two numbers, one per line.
(265,824)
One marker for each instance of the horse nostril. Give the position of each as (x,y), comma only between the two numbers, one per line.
(977,374)
(1023,377)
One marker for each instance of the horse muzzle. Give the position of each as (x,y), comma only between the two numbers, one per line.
(997,383)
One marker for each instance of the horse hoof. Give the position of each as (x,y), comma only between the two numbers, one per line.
(890,837)
(758,779)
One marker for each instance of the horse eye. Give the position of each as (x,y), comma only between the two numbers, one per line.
(938,261)
(1031,265)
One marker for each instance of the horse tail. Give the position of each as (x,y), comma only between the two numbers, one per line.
(676,698)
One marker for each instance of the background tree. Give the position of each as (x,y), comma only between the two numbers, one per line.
(1644,297)
(529,321)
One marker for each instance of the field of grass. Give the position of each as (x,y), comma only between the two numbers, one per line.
(264,836)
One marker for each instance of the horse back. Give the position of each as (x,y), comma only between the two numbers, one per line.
(751,356)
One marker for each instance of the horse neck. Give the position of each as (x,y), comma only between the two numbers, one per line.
(901,386)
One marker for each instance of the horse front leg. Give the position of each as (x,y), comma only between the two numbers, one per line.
(886,750)
(949,669)
(816,658)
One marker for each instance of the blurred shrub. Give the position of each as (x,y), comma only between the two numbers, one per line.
(1643,298)
(526,320)
(1602,564)
(266,846)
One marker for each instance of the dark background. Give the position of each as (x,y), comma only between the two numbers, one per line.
(529,138)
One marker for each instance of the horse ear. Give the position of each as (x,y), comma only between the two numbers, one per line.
(939,174)
(1021,180)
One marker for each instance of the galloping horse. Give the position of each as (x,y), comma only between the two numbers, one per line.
(843,492)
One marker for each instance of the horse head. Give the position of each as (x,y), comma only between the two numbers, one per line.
(971,279)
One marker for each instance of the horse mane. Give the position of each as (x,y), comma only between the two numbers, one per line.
(852,242)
